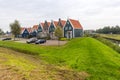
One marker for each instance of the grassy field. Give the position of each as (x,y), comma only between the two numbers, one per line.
(19,66)
(112,36)
(81,54)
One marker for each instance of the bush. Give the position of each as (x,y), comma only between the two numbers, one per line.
(109,43)
(63,39)
(30,36)
(86,35)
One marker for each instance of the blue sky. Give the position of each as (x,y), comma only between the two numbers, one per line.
(92,14)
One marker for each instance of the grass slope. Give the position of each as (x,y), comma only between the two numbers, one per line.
(89,55)
(18,66)
(82,54)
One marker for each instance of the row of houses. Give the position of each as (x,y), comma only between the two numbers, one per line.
(71,29)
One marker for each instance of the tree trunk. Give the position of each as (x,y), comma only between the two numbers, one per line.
(58,42)
(14,37)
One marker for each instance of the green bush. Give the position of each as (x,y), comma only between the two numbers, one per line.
(29,36)
(86,35)
(109,43)
(63,39)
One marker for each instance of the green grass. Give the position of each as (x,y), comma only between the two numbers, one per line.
(81,54)
(17,64)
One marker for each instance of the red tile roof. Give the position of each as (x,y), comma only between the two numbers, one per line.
(29,30)
(42,24)
(63,22)
(55,23)
(48,24)
(22,28)
(76,24)
(35,27)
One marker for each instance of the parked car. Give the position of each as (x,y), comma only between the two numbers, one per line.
(6,39)
(40,41)
(31,40)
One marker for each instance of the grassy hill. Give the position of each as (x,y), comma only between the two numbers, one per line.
(89,55)
(19,66)
(81,54)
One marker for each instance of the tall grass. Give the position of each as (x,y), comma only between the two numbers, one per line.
(109,43)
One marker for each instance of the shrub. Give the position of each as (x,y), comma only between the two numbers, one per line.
(30,36)
(109,43)
(63,39)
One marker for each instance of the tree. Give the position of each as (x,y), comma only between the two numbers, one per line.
(1,32)
(15,28)
(109,30)
(58,33)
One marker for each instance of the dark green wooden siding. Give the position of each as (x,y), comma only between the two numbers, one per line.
(25,33)
(78,32)
(39,29)
(51,28)
(67,28)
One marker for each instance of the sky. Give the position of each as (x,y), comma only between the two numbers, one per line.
(92,14)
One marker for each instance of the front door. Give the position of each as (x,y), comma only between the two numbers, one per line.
(69,34)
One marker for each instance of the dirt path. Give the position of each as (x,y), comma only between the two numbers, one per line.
(20,66)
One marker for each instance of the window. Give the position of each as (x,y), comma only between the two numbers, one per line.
(66,28)
(25,32)
(39,30)
(70,28)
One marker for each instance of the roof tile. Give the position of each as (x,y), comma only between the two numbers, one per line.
(55,22)
(35,27)
(63,22)
(76,24)
(48,24)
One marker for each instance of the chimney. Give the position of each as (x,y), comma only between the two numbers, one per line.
(59,19)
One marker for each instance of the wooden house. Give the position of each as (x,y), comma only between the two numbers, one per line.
(61,23)
(52,28)
(73,29)
(40,28)
(34,30)
(46,27)
(24,32)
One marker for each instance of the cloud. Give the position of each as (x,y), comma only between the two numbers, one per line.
(91,13)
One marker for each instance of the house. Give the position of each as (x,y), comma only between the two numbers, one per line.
(52,28)
(46,27)
(40,32)
(73,29)
(24,32)
(34,30)
(40,28)
(61,23)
